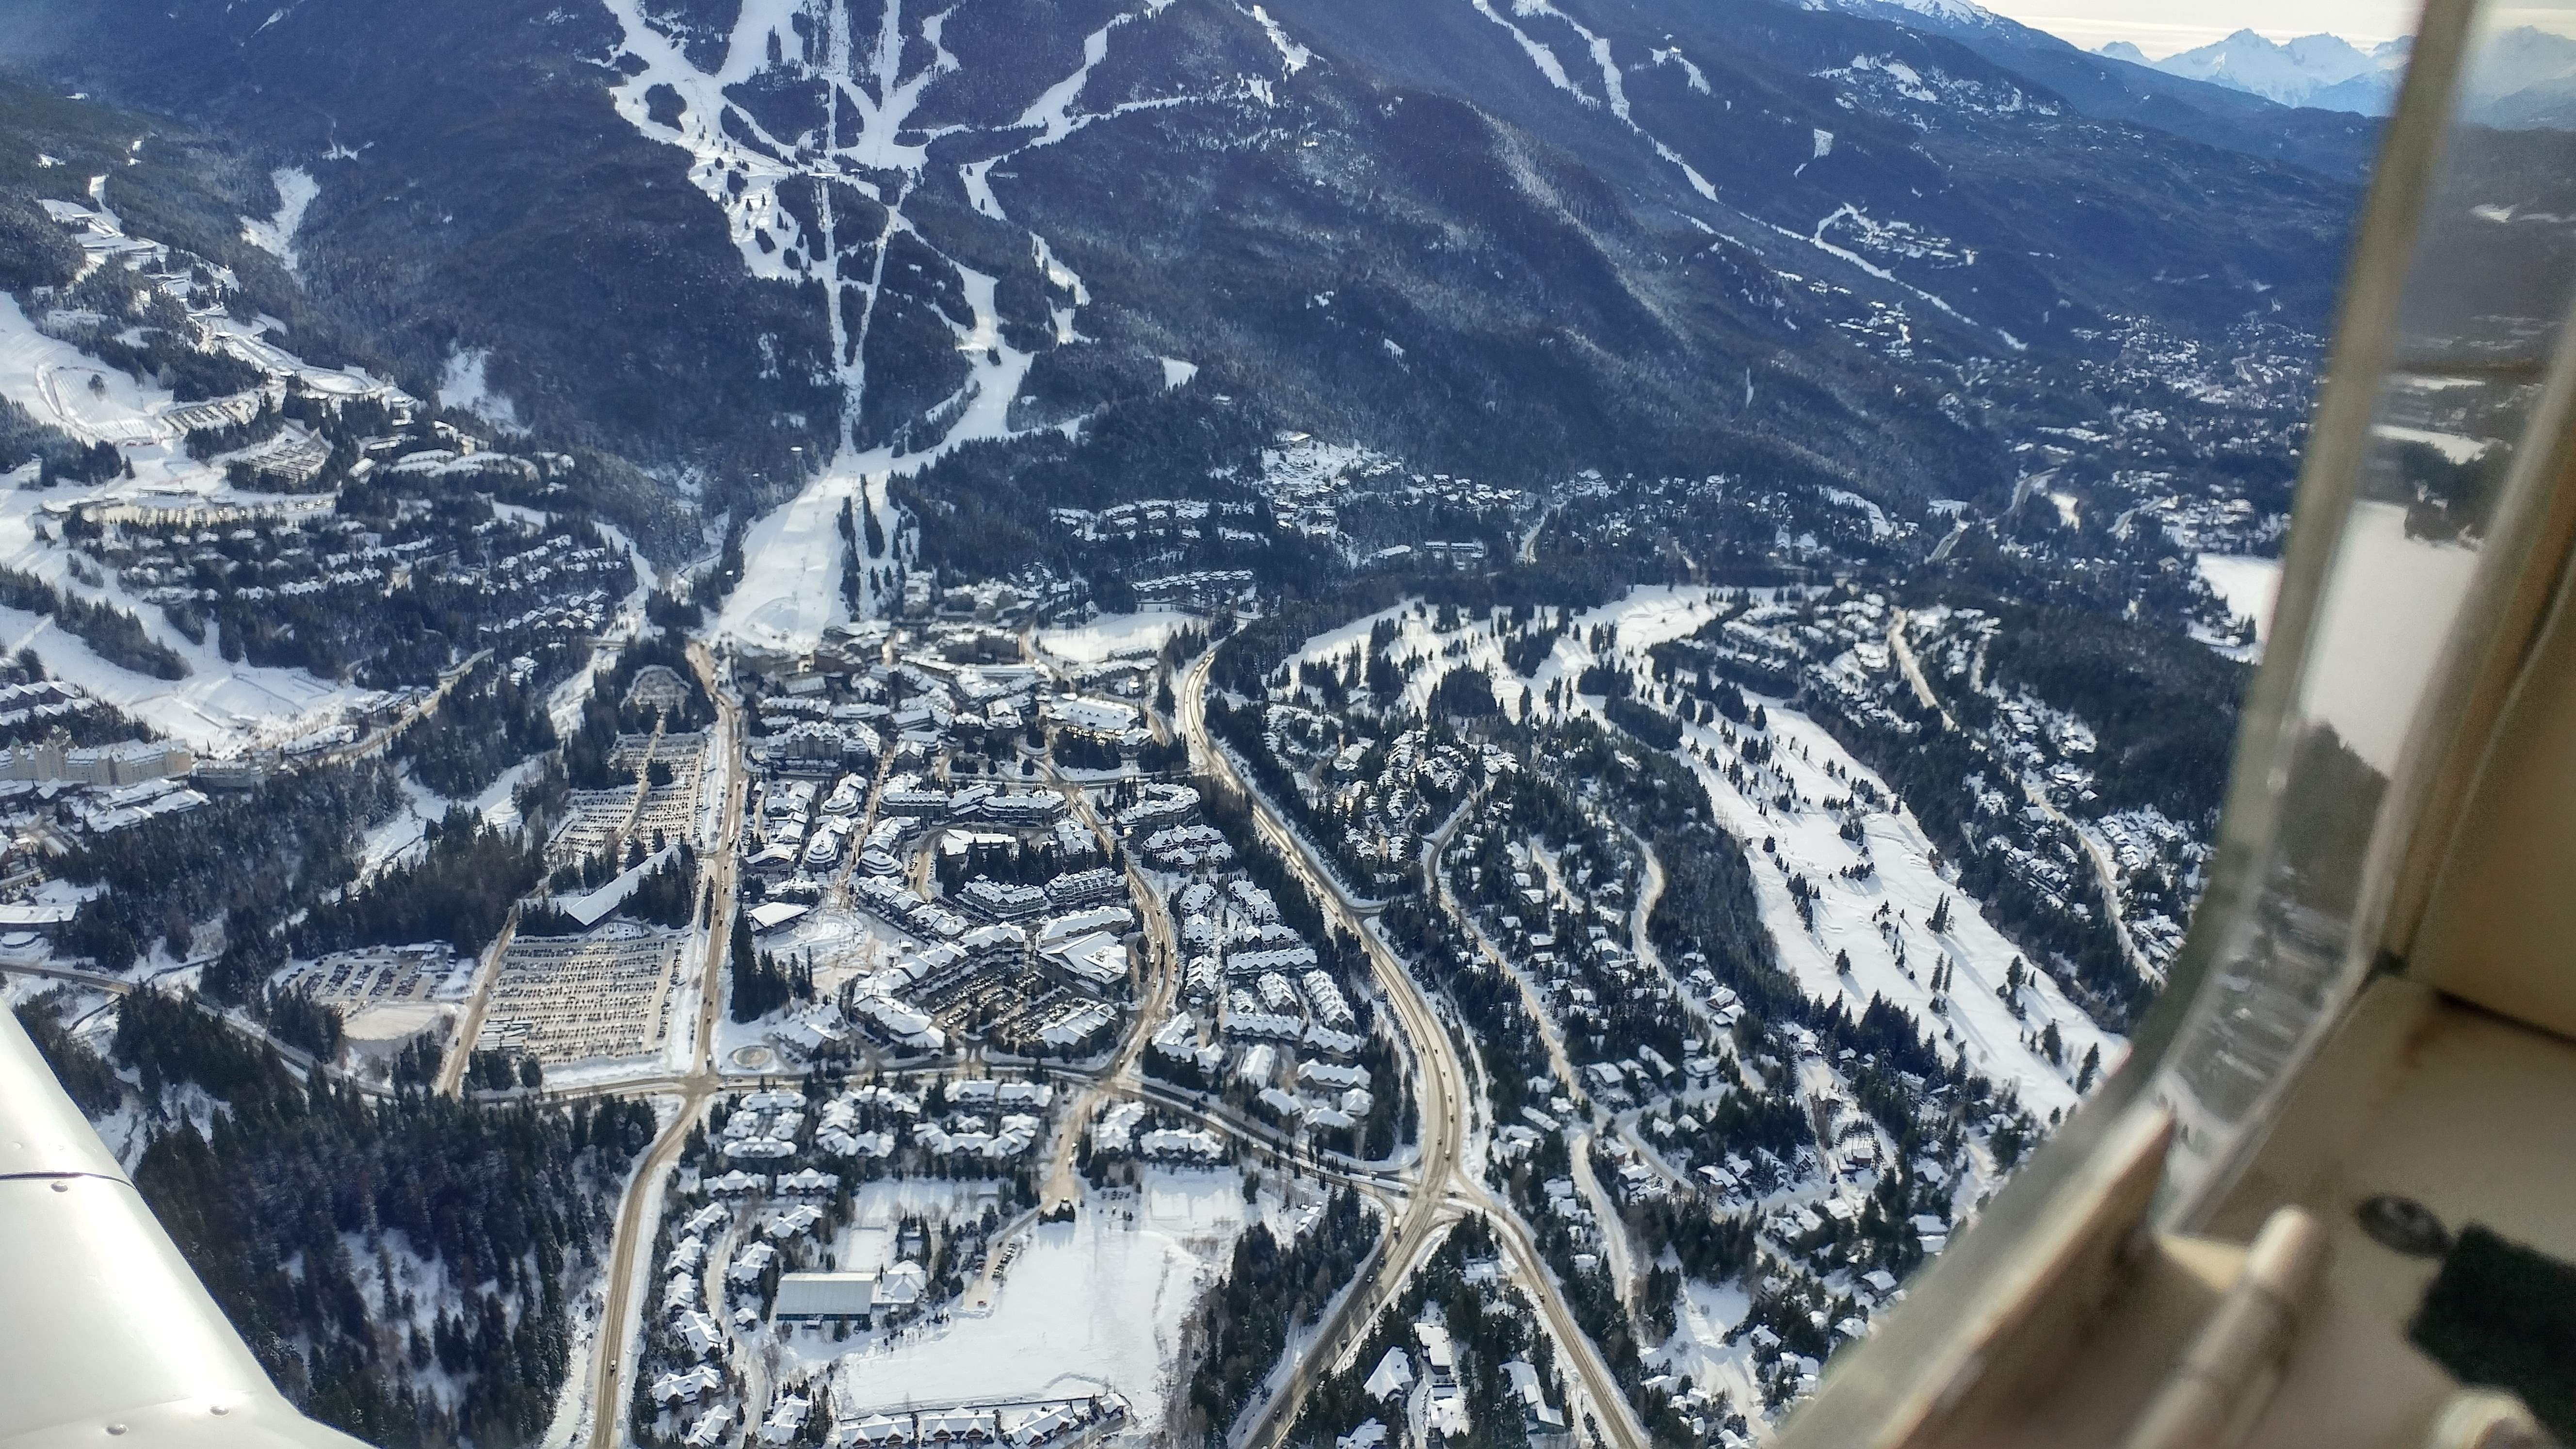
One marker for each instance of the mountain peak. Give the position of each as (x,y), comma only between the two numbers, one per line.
(2326,50)
(2319,70)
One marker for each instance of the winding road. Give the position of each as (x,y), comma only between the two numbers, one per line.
(2105,873)
(1444,1180)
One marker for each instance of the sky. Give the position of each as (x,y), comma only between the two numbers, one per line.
(2161,27)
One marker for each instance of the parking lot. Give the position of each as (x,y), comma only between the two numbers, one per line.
(578,999)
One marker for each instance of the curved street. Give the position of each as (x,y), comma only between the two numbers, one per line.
(1443,1172)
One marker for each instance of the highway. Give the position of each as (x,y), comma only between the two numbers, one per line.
(1444,1173)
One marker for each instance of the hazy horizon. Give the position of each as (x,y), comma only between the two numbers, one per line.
(2171,26)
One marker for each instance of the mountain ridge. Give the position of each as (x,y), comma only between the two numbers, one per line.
(1395,233)
(2322,70)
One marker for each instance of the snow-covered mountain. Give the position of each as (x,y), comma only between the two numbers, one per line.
(2525,77)
(2119,82)
(1948,17)
(880,231)
(2521,77)
(2325,71)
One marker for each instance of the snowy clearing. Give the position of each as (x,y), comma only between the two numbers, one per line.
(296,189)
(1113,636)
(1099,1300)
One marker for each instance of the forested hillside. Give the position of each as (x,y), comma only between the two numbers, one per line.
(403,1266)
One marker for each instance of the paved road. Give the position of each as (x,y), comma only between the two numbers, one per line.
(1162,983)
(1443,1173)
(634,1236)
(1580,1128)
(371,743)
(469,1022)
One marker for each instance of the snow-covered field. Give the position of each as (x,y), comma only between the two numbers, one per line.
(1639,621)
(53,381)
(1698,1347)
(388,1024)
(465,386)
(791,578)
(1099,1300)
(1115,635)
(1978,1022)
(218,709)
(1807,768)
(2247,584)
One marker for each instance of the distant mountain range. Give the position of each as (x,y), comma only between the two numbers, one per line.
(2325,71)
(2126,88)
(2522,77)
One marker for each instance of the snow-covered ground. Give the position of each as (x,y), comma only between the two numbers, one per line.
(843,944)
(1808,767)
(398,834)
(841,941)
(465,387)
(296,189)
(1099,1300)
(1639,621)
(1644,618)
(59,384)
(1698,1347)
(1978,1022)
(219,709)
(386,1025)
(791,578)
(1115,635)
(2246,583)
(2456,447)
